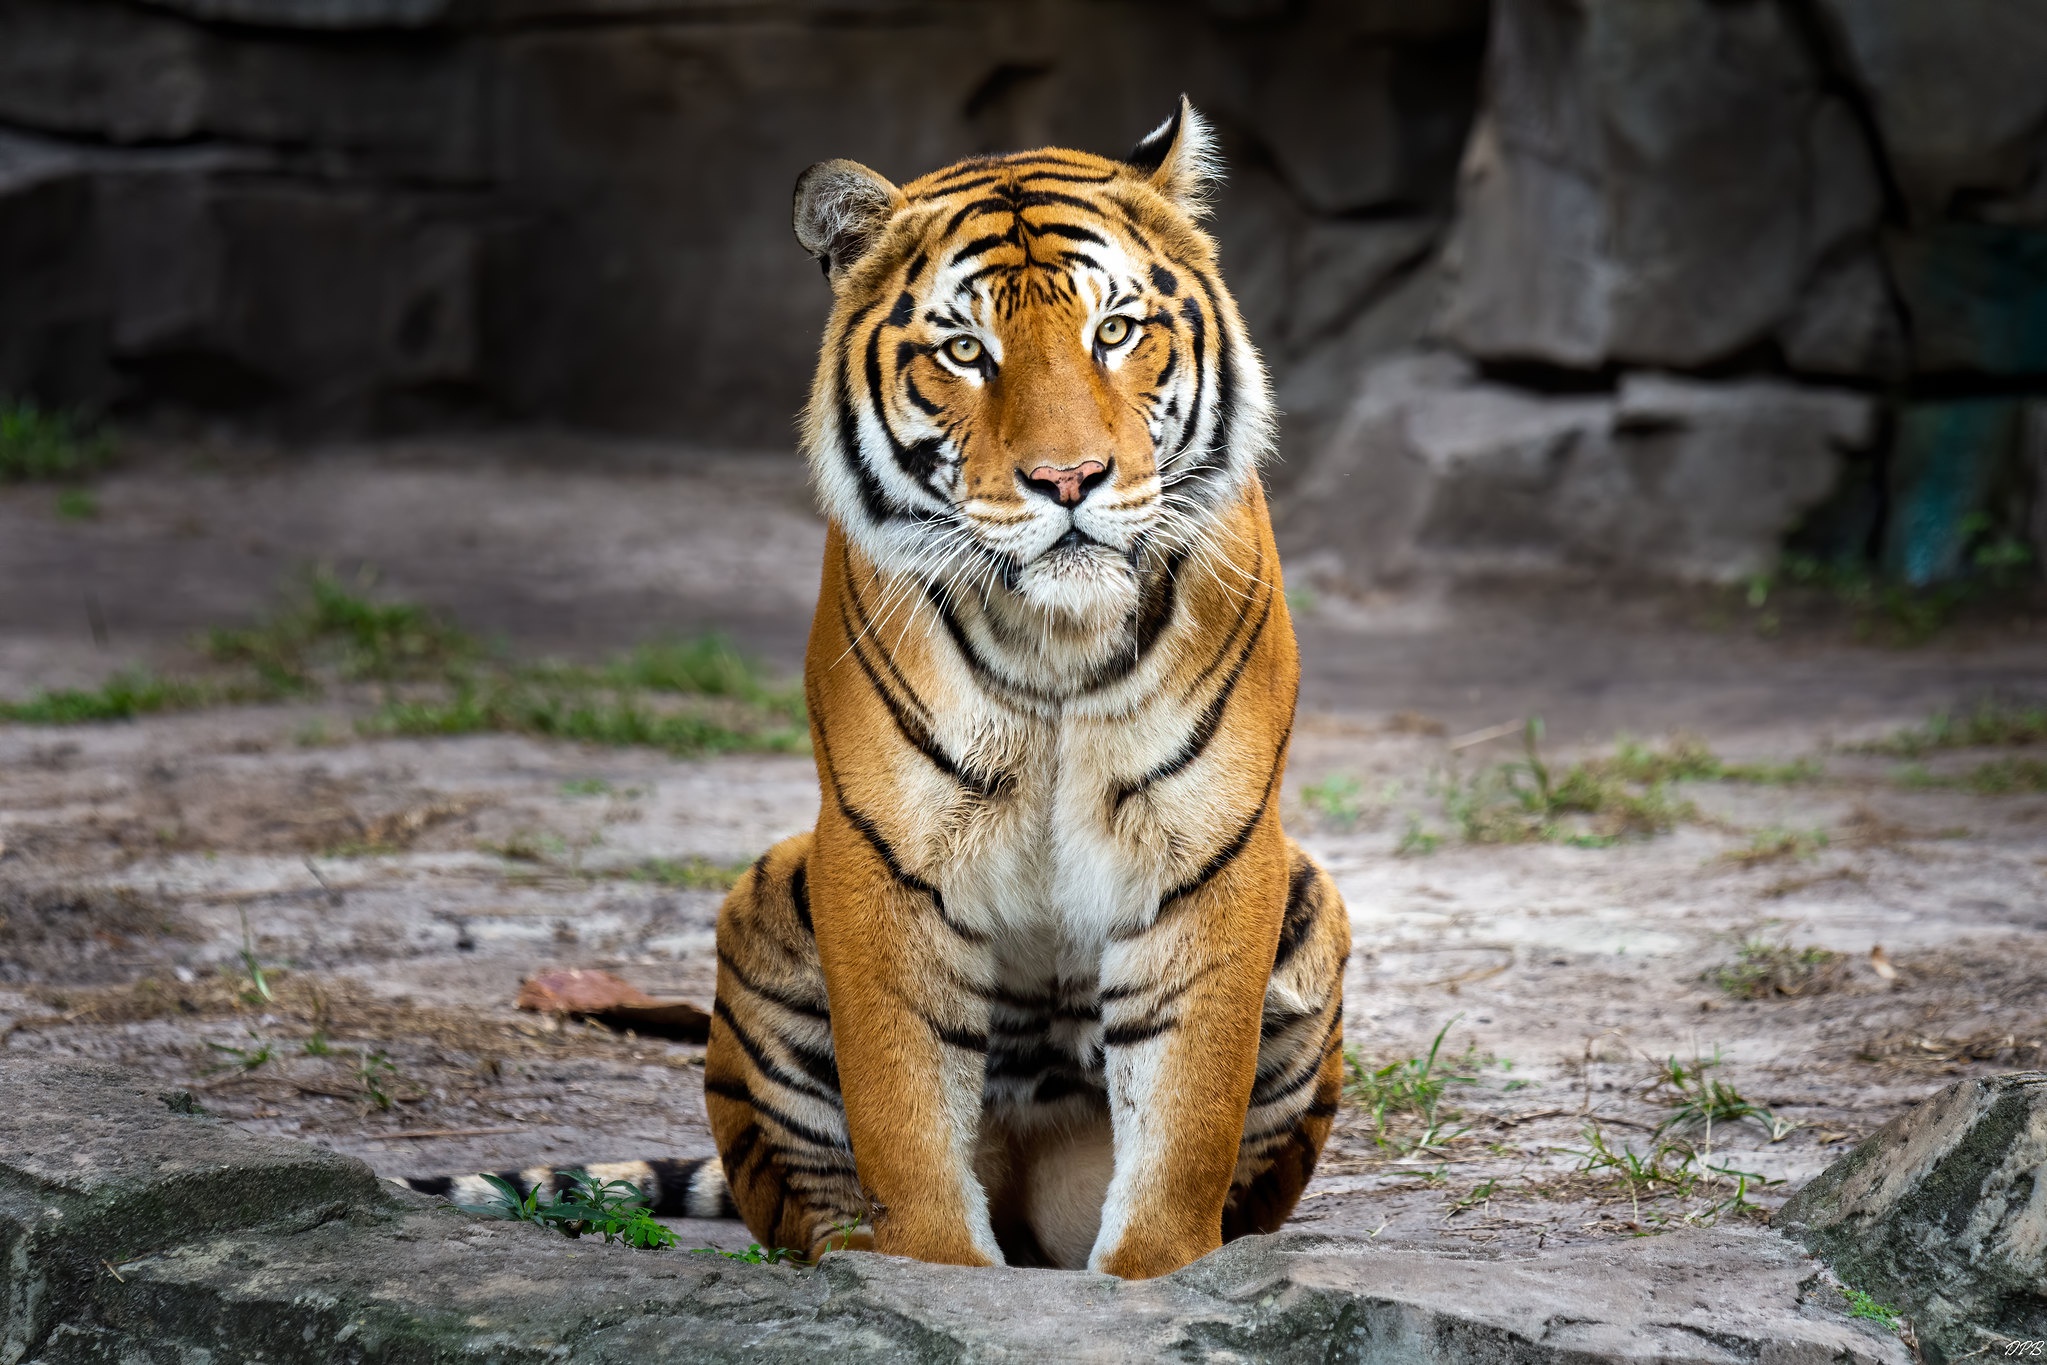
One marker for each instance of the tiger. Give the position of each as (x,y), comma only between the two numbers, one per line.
(1047,984)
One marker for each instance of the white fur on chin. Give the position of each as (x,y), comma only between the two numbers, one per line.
(1089,587)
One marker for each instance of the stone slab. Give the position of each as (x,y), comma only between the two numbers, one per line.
(281,1253)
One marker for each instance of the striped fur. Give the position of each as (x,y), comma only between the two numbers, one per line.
(672,1189)
(1047,984)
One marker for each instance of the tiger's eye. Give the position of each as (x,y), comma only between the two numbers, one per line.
(966,350)
(1113,331)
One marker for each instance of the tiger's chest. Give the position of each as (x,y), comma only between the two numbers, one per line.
(1063,856)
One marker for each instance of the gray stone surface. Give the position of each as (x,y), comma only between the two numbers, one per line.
(1943,1213)
(131,1233)
(1437,470)
(1671,222)
(1956,93)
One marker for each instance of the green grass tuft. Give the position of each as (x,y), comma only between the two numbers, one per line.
(1861,1305)
(432,678)
(124,696)
(1990,724)
(1762,969)
(1335,798)
(40,444)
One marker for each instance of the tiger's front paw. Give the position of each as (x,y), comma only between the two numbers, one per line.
(1138,1256)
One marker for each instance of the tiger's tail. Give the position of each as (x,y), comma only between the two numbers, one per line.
(693,1188)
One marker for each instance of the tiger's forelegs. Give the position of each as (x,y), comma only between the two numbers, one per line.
(910,1027)
(1182,998)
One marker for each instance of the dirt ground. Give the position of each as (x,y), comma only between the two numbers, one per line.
(394,892)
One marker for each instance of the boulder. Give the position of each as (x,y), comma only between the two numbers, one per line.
(1677,222)
(1954,87)
(1436,471)
(130,1231)
(1943,1213)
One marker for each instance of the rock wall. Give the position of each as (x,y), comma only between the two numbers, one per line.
(1625,222)
(360,213)
(1830,214)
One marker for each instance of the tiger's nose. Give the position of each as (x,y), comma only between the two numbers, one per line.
(1066,485)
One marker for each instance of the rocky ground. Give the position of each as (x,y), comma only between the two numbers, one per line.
(393,892)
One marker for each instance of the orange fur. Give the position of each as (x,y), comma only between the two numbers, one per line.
(1051,680)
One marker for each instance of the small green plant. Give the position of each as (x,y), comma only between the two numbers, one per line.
(615,1210)
(259,985)
(317,1045)
(755,1254)
(1861,1305)
(1413,1089)
(434,679)
(1335,798)
(1762,968)
(247,1058)
(1998,777)
(332,624)
(1673,1170)
(1989,724)
(78,504)
(1416,841)
(694,873)
(36,443)
(1698,1101)
(1591,804)
(1777,844)
(1482,1193)
(374,1071)
(124,696)
(586,786)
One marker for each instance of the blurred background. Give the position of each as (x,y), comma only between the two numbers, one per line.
(1660,287)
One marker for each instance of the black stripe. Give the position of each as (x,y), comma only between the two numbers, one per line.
(1068,231)
(867,628)
(917,268)
(1126,1035)
(975,209)
(799,895)
(768,1066)
(1198,740)
(1062,1085)
(870,832)
(905,309)
(912,729)
(1223,857)
(1190,312)
(735,1156)
(1219,450)
(1271,1092)
(873,498)
(1303,906)
(917,398)
(1162,280)
(791,1003)
(964,1039)
(733,1090)
(918,459)
(979,245)
(442,1185)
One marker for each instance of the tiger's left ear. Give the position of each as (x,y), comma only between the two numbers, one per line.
(1181,159)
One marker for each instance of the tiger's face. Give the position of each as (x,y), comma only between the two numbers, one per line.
(1033,384)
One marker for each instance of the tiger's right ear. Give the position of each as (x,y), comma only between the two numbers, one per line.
(841,208)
